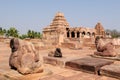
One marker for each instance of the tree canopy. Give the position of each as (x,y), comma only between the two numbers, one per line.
(13,32)
(114,33)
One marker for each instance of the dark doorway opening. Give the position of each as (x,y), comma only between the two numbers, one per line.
(78,34)
(72,34)
(68,35)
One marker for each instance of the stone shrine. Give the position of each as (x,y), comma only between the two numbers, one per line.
(59,31)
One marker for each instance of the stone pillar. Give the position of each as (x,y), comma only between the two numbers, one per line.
(70,34)
(75,34)
(80,35)
(61,39)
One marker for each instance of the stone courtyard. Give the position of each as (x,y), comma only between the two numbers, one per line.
(77,46)
(51,72)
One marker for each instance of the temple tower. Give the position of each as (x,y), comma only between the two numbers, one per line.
(56,31)
(59,21)
(99,30)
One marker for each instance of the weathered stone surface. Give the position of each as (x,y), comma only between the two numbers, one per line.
(116,58)
(56,53)
(58,61)
(76,76)
(50,60)
(14,75)
(112,70)
(54,77)
(105,49)
(24,58)
(88,64)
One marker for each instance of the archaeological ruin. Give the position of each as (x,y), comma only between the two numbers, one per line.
(63,53)
(60,32)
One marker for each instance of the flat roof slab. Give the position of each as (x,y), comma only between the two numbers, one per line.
(88,64)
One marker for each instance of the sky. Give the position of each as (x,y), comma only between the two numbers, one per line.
(37,14)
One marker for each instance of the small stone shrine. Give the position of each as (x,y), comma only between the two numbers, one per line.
(56,53)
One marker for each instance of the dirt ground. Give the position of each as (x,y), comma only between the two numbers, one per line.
(51,72)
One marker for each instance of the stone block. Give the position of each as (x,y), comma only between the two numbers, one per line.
(112,70)
(54,77)
(88,64)
(14,75)
(58,61)
(117,57)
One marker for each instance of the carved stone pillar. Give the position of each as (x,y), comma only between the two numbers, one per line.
(80,35)
(70,34)
(75,34)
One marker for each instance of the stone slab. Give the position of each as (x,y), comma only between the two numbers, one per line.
(112,70)
(58,61)
(14,75)
(54,77)
(78,76)
(117,58)
(9,75)
(88,64)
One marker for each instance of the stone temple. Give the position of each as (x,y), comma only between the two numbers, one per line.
(60,32)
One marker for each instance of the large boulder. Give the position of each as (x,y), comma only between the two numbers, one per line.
(105,49)
(24,57)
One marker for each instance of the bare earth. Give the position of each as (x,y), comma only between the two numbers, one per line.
(50,72)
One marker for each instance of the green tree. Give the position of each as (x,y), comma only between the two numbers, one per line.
(114,33)
(12,32)
(2,31)
(33,34)
(39,35)
(23,36)
(29,34)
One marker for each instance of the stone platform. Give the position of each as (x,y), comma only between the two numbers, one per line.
(73,75)
(112,70)
(88,64)
(117,58)
(58,61)
(14,75)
